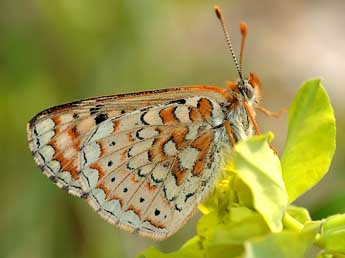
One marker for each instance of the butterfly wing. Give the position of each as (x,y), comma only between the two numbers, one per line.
(143,161)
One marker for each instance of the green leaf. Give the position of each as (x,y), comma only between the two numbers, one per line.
(310,142)
(283,244)
(295,218)
(243,225)
(191,249)
(152,252)
(258,167)
(299,213)
(333,234)
(225,236)
(324,254)
(207,225)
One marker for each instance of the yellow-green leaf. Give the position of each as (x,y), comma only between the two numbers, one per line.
(191,249)
(258,167)
(310,143)
(225,237)
(324,254)
(333,234)
(283,244)
(299,213)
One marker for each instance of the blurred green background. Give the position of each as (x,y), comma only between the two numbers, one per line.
(58,51)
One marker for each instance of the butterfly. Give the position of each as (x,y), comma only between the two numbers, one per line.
(145,160)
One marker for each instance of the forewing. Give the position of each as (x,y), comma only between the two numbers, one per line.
(142,169)
(56,135)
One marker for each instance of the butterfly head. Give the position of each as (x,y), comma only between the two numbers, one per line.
(249,89)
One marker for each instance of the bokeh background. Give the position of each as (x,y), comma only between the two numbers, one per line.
(58,51)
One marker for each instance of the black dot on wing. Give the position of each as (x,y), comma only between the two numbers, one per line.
(110,163)
(112,179)
(157,212)
(112,143)
(123,111)
(125,190)
(100,118)
(141,199)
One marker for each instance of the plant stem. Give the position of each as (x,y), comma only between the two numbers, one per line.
(291,223)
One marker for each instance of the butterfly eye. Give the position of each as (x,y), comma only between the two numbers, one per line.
(248,90)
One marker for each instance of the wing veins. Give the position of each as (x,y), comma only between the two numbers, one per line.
(160,187)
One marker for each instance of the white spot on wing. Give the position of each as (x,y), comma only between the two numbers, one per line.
(89,178)
(114,207)
(47,152)
(46,137)
(188,157)
(66,176)
(192,132)
(182,114)
(54,165)
(193,101)
(148,132)
(45,125)
(132,217)
(152,117)
(98,196)
(170,148)
(103,130)
(91,153)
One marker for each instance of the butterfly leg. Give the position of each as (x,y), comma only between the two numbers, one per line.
(270,113)
(229,132)
(250,113)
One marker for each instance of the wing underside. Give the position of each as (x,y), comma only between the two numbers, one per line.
(143,161)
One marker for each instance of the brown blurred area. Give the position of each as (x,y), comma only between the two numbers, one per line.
(53,52)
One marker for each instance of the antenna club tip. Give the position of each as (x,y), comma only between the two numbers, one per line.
(243,28)
(218,11)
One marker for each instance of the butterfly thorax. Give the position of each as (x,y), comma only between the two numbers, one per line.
(246,94)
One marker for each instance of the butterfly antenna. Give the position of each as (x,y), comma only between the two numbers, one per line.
(243,29)
(228,40)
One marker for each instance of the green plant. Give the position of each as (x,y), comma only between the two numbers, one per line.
(250,215)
